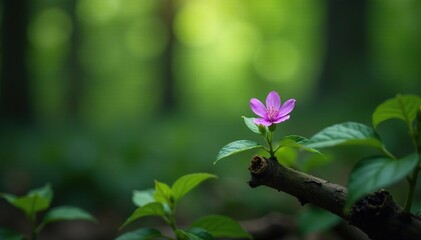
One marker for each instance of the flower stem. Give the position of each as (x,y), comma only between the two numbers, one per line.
(412,180)
(269,142)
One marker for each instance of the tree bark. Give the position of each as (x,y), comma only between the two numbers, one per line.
(377,214)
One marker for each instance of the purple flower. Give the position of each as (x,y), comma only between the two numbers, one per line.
(274,112)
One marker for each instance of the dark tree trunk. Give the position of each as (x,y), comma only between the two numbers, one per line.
(169,102)
(75,84)
(15,100)
(345,65)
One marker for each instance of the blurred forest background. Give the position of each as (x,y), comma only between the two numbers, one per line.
(101,97)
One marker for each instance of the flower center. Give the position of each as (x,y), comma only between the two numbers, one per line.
(272,113)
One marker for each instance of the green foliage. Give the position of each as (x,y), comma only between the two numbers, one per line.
(36,201)
(236,147)
(403,107)
(299,142)
(193,234)
(32,203)
(162,202)
(251,125)
(370,174)
(10,235)
(221,227)
(141,234)
(186,183)
(316,220)
(374,173)
(380,171)
(349,133)
(141,198)
(294,141)
(150,209)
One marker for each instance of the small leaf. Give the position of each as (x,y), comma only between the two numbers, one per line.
(141,234)
(299,142)
(374,173)
(186,183)
(10,235)
(236,147)
(251,125)
(150,209)
(221,226)
(202,233)
(141,198)
(316,220)
(65,213)
(196,234)
(349,133)
(33,202)
(403,107)
(162,192)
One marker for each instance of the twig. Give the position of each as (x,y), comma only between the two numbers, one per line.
(377,214)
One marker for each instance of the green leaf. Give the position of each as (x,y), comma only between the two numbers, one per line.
(141,198)
(186,183)
(150,209)
(10,235)
(163,192)
(33,202)
(251,125)
(374,173)
(299,142)
(349,133)
(202,233)
(316,220)
(65,213)
(403,107)
(221,226)
(141,234)
(193,234)
(236,147)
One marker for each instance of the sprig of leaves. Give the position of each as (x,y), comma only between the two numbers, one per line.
(38,200)
(292,141)
(162,201)
(373,173)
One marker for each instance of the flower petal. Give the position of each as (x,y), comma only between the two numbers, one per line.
(281,119)
(273,100)
(257,107)
(262,121)
(286,108)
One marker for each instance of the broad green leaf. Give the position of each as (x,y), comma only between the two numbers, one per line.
(202,233)
(10,235)
(349,133)
(252,126)
(221,226)
(374,173)
(186,183)
(316,220)
(141,234)
(287,157)
(141,198)
(236,147)
(403,107)
(163,192)
(299,142)
(193,234)
(313,162)
(65,213)
(33,202)
(150,209)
